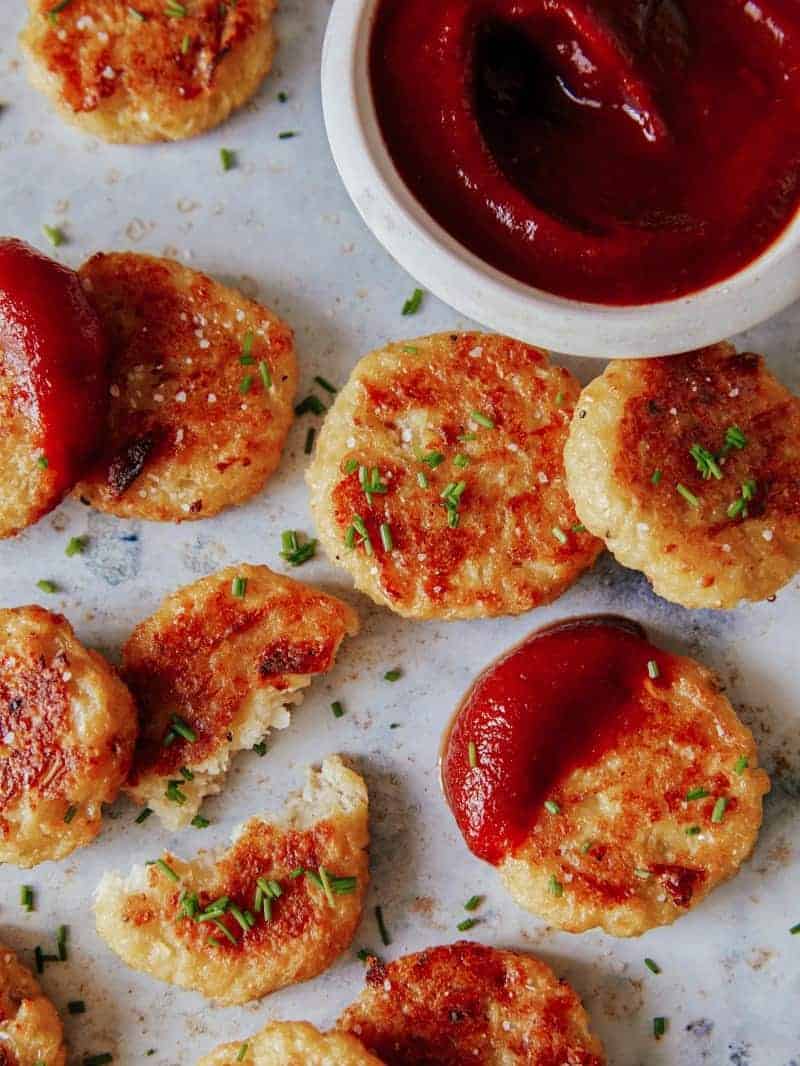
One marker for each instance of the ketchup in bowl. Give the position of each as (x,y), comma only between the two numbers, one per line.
(614,151)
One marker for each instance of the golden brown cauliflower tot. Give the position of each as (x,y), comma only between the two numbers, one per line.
(292,1044)
(202,384)
(30,1028)
(466,1003)
(217,666)
(438,479)
(67,730)
(135,72)
(278,907)
(689,468)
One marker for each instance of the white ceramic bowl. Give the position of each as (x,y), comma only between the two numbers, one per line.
(457,276)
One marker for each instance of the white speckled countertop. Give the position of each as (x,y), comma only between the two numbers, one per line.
(280,226)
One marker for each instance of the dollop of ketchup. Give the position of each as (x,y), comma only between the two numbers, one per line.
(54,351)
(555,702)
(615,151)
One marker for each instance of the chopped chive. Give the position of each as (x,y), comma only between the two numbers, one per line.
(227,157)
(741,764)
(579,527)
(659,1027)
(54,235)
(38,955)
(55,10)
(460,461)
(688,495)
(384,932)
(472,754)
(326,886)
(586,847)
(795,929)
(26,897)
(413,303)
(481,419)
(308,447)
(392,675)
(166,869)
(297,872)
(555,887)
(264,374)
(174,794)
(337,708)
(293,551)
(43,462)
(652,966)
(47,586)
(311,403)
(364,955)
(559,398)
(136,14)
(239,587)
(260,748)
(239,916)
(642,874)
(656,477)
(410,349)
(199,822)
(186,773)
(718,814)
(175,10)
(190,904)
(652,669)
(75,546)
(76,1006)
(351,466)
(693,830)
(246,384)
(242,1051)
(468,436)
(282,97)
(325,384)
(552,807)
(185,44)
(432,459)
(361,530)
(247,344)
(386,537)
(422,480)
(559,534)
(98,1060)
(467,923)
(143,815)
(70,813)
(61,942)
(707,464)
(734,438)
(473,903)
(183,729)
(286,135)
(224,930)
(697,793)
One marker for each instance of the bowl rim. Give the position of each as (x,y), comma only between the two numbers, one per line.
(443,266)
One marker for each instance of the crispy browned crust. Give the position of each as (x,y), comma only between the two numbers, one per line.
(466,1003)
(644,416)
(129,78)
(205,649)
(416,397)
(67,730)
(30,1028)
(183,440)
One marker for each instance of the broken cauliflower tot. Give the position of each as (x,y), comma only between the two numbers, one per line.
(67,730)
(133,73)
(467,1003)
(278,907)
(215,668)
(292,1044)
(202,388)
(689,468)
(30,1028)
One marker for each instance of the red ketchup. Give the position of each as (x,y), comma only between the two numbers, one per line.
(556,702)
(615,151)
(53,348)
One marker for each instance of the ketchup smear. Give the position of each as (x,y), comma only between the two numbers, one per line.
(556,702)
(615,151)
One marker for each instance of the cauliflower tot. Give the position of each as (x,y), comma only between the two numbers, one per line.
(216,668)
(689,468)
(202,384)
(438,480)
(133,73)
(278,907)
(292,1044)
(469,1003)
(67,731)
(30,1028)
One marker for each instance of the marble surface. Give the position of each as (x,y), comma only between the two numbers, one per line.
(280,226)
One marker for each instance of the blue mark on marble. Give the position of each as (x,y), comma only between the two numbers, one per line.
(113,557)
(739,1054)
(203,556)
